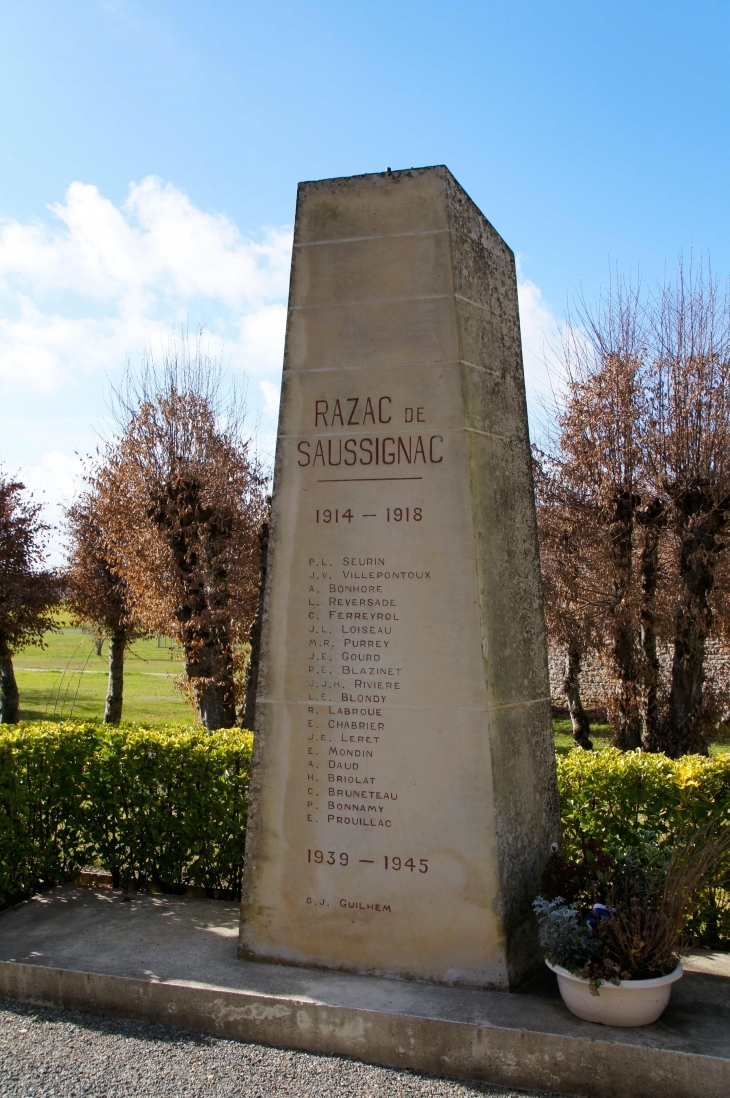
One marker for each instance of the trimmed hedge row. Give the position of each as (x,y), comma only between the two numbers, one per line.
(613,797)
(167,808)
(156,807)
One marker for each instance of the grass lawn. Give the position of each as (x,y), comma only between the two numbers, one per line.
(67,679)
(601,737)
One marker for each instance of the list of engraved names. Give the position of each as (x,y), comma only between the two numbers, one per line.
(358,623)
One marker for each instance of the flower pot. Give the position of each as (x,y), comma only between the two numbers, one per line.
(629,1003)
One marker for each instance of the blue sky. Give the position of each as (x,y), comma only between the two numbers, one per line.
(150,153)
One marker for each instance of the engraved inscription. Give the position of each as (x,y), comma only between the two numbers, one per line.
(354,616)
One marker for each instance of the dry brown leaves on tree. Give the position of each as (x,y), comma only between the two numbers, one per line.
(182,501)
(98,593)
(641,454)
(28,590)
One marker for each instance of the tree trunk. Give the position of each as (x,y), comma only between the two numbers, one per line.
(194,535)
(578,716)
(252,675)
(683,733)
(9,697)
(209,667)
(213,712)
(627,723)
(653,519)
(215,702)
(99,642)
(117,645)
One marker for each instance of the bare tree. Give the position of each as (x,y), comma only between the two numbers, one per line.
(570,554)
(183,500)
(688,466)
(600,459)
(248,718)
(28,591)
(98,593)
(645,436)
(651,520)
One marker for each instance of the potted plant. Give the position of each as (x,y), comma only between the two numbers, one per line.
(616,961)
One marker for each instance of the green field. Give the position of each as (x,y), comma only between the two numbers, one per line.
(562,730)
(67,679)
(601,737)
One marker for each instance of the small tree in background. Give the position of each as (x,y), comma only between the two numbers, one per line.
(655,575)
(248,716)
(716,688)
(687,457)
(181,503)
(99,594)
(28,591)
(598,456)
(644,437)
(570,554)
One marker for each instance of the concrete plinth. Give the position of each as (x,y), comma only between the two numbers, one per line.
(173,960)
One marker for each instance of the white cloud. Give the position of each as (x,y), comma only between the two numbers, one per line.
(260,344)
(539,333)
(82,293)
(271,394)
(42,350)
(57,475)
(540,339)
(53,481)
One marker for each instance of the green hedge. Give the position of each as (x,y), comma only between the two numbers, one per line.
(167,808)
(613,796)
(157,807)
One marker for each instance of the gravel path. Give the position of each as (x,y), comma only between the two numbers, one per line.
(49,1053)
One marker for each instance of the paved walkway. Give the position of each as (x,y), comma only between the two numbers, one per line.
(60,1054)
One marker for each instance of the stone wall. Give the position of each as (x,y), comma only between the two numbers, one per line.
(597,682)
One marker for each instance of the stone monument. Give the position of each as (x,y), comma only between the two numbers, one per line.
(403,796)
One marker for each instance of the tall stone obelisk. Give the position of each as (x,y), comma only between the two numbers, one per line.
(403,796)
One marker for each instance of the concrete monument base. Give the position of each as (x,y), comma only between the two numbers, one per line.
(172,960)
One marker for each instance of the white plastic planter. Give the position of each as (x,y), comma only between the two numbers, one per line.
(629,1003)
